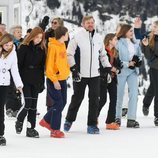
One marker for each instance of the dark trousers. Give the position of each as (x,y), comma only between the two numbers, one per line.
(149,94)
(3,96)
(112,89)
(12,101)
(78,96)
(49,101)
(154,80)
(30,107)
(58,99)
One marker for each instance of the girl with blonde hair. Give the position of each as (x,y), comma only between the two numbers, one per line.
(8,67)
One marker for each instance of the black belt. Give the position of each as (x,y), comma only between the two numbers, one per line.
(33,67)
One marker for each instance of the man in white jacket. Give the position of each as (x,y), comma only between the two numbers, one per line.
(85,52)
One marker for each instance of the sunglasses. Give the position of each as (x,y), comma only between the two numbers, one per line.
(54,22)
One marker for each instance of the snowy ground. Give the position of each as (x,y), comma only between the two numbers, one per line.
(114,144)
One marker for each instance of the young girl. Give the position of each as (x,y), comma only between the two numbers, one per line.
(150,50)
(110,42)
(31,59)
(8,63)
(57,72)
(130,54)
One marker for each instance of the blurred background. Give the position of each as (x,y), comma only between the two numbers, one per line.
(108,13)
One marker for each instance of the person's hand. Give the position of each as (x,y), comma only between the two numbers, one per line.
(57,85)
(75,74)
(138,22)
(20,89)
(145,41)
(114,69)
(131,64)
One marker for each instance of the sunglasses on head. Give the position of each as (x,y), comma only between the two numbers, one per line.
(54,22)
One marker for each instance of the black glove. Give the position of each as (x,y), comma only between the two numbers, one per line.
(44,23)
(105,74)
(137,61)
(119,65)
(75,74)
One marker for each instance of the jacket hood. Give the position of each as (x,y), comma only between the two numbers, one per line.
(54,41)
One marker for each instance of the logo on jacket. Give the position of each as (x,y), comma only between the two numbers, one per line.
(62,54)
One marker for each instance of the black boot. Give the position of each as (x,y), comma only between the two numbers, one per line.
(124,112)
(156,121)
(32,133)
(9,112)
(2,141)
(118,121)
(145,111)
(18,126)
(132,124)
(14,113)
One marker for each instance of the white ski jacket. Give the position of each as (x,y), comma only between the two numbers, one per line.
(6,64)
(91,49)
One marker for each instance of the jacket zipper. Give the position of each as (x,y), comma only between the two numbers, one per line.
(90,38)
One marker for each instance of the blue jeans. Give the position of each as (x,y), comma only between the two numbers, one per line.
(59,99)
(132,81)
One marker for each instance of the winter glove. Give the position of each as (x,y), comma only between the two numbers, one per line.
(137,62)
(44,23)
(119,65)
(75,74)
(105,74)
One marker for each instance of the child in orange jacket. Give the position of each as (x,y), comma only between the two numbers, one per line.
(57,72)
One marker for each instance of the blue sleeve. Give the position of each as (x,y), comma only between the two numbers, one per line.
(139,35)
(137,32)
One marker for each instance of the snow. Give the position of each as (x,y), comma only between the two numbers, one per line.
(114,144)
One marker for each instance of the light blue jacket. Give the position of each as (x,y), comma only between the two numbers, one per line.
(123,52)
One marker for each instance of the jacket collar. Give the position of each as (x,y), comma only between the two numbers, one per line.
(86,31)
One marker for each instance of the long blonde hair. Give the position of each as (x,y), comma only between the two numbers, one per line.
(32,35)
(3,40)
(152,37)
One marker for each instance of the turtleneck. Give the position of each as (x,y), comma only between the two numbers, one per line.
(131,48)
